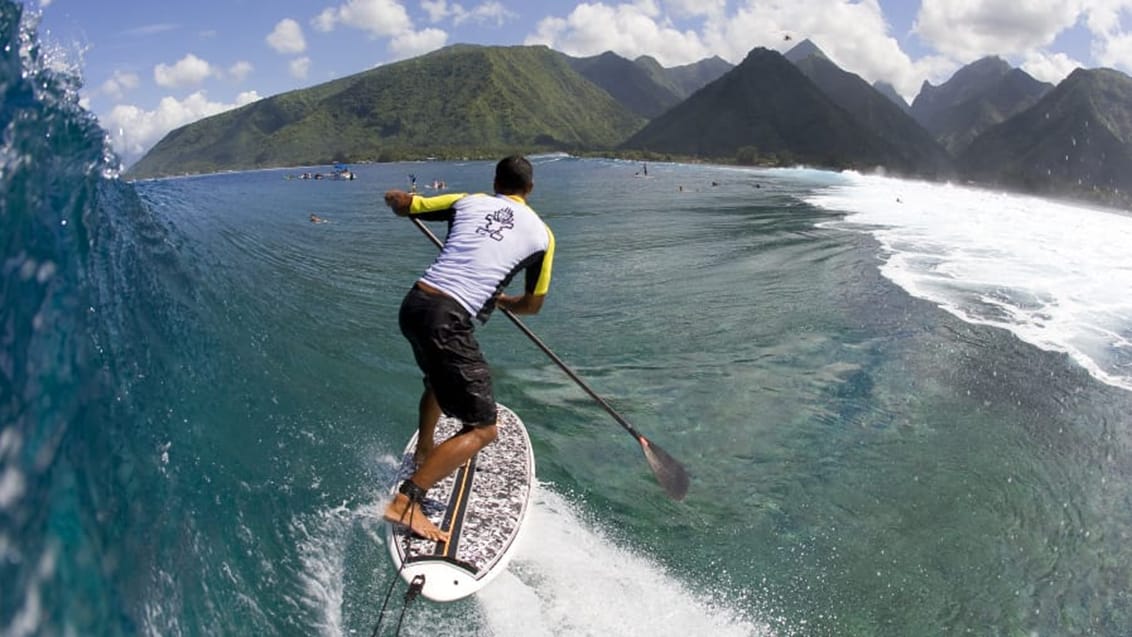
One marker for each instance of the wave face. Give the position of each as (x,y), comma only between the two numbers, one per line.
(91,293)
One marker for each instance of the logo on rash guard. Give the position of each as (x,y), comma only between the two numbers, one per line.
(497,222)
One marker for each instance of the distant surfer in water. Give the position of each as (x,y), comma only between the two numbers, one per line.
(490,240)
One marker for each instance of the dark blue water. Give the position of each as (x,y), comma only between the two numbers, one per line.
(203,395)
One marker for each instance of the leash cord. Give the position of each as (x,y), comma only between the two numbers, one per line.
(414,587)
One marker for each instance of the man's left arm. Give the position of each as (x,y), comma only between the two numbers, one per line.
(525,303)
(536,286)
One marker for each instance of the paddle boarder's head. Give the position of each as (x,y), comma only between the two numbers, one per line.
(514,176)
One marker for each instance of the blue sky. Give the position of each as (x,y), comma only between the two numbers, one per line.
(150,67)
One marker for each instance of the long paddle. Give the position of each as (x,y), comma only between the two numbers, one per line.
(669,473)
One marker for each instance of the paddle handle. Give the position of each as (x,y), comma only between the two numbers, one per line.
(546,350)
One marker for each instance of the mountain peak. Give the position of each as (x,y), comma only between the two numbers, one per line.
(888,90)
(978,96)
(804,49)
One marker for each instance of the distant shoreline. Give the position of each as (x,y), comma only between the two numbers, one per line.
(1120,201)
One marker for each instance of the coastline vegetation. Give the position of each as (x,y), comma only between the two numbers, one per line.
(470,102)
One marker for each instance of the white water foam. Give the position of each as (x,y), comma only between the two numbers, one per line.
(566,579)
(1059,276)
(569,579)
(322,553)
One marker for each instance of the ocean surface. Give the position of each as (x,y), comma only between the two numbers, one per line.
(906,408)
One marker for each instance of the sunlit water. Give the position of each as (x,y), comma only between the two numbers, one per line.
(904,407)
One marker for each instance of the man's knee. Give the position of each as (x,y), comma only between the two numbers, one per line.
(490,432)
(484,432)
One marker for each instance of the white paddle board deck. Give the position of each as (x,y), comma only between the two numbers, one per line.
(483,504)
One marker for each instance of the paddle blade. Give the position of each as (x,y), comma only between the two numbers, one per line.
(669,473)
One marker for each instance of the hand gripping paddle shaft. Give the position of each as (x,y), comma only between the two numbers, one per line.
(669,472)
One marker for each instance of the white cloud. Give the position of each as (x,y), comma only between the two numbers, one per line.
(1049,67)
(413,43)
(135,130)
(855,35)
(325,21)
(149,29)
(630,30)
(1116,51)
(1112,42)
(389,19)
(970,29)
(381,18)
(483,13)
(299,67)
(487,12)
(437,10)
(681,8)
(240,70)
(188,71)
(287,37)
(1103,16)
(119,83)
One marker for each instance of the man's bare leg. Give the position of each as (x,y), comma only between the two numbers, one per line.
(428,415)
(444,459)
(450,454)
(404,511)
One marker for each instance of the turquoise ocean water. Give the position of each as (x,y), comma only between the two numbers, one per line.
(904,407)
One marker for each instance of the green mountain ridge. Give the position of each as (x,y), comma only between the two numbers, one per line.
(627,82)
(917,150)
(766,107)
(456,100)
(1076,141)
(484,101)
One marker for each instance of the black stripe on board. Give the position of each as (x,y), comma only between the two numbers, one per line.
(457,508)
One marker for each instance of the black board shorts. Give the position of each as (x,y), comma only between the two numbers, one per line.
(440,331)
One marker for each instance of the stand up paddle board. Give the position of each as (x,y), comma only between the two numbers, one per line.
(483,504)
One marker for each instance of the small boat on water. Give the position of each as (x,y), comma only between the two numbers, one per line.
(340,172)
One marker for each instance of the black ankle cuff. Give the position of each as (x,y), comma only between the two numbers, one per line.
(412,491)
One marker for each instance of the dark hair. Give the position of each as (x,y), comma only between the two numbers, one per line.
(513,175)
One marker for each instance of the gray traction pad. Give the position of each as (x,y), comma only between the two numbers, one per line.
(503,481)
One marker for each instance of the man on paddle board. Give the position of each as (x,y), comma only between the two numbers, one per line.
(491,238)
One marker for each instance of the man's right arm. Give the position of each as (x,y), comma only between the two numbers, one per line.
(399,202)
(439,207)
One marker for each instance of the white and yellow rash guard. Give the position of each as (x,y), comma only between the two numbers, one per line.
(490,239)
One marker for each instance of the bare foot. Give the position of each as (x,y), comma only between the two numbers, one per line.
(402,511)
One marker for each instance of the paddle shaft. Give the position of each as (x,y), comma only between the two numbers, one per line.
(546,350)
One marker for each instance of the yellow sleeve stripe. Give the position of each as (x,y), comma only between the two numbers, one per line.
(542,286)
(423,205)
